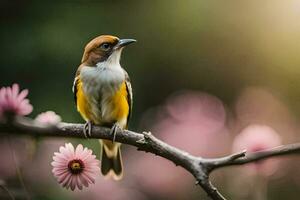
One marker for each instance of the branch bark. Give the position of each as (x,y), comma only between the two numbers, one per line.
(199,167)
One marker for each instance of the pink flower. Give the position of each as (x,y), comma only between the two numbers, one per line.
(75,167)
(13,102)
(257,105)
(190,120)
(48,117)
(257,138)
(193,121)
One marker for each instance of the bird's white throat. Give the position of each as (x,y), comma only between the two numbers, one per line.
(107,75)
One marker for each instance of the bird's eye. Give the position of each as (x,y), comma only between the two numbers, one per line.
(105,46)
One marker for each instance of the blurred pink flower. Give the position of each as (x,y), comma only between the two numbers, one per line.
(192,121)
(257,105)
(13,102)
(256,138)
(48,117)
(75,167)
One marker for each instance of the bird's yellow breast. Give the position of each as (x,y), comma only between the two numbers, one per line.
(119,102)
(83,106)
(108,109)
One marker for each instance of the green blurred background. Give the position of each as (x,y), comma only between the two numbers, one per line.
(219,47)
(215,46)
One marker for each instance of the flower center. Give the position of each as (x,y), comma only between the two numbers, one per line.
(76,166)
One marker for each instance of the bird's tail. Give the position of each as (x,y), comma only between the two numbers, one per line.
(111,160)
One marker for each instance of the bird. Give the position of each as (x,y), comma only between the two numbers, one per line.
(103,96)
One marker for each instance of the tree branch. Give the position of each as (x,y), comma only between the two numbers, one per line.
(199,167)
(244,158)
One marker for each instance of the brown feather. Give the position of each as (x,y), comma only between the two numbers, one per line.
(93,54)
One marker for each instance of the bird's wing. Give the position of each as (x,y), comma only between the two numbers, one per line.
(129,94)
(74,88)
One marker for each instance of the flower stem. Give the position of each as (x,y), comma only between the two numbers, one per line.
(7,191)
(19,174)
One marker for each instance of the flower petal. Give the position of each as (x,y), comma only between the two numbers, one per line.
(78,151)
(78,182)
(84,181)
(70,179)
(13,102)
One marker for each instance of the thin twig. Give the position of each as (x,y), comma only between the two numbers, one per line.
(244,158)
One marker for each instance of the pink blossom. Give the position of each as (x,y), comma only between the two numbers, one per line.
(192,121)
(48,117)
(13,102)
(75,167)
(257,138)
(257,105)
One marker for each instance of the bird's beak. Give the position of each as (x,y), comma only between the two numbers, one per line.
(124,42)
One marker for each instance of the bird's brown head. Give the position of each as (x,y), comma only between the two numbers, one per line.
(102,47)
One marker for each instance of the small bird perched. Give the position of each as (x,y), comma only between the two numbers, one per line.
(103,95)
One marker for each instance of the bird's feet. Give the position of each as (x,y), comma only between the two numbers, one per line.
(114,130)
(87,129)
